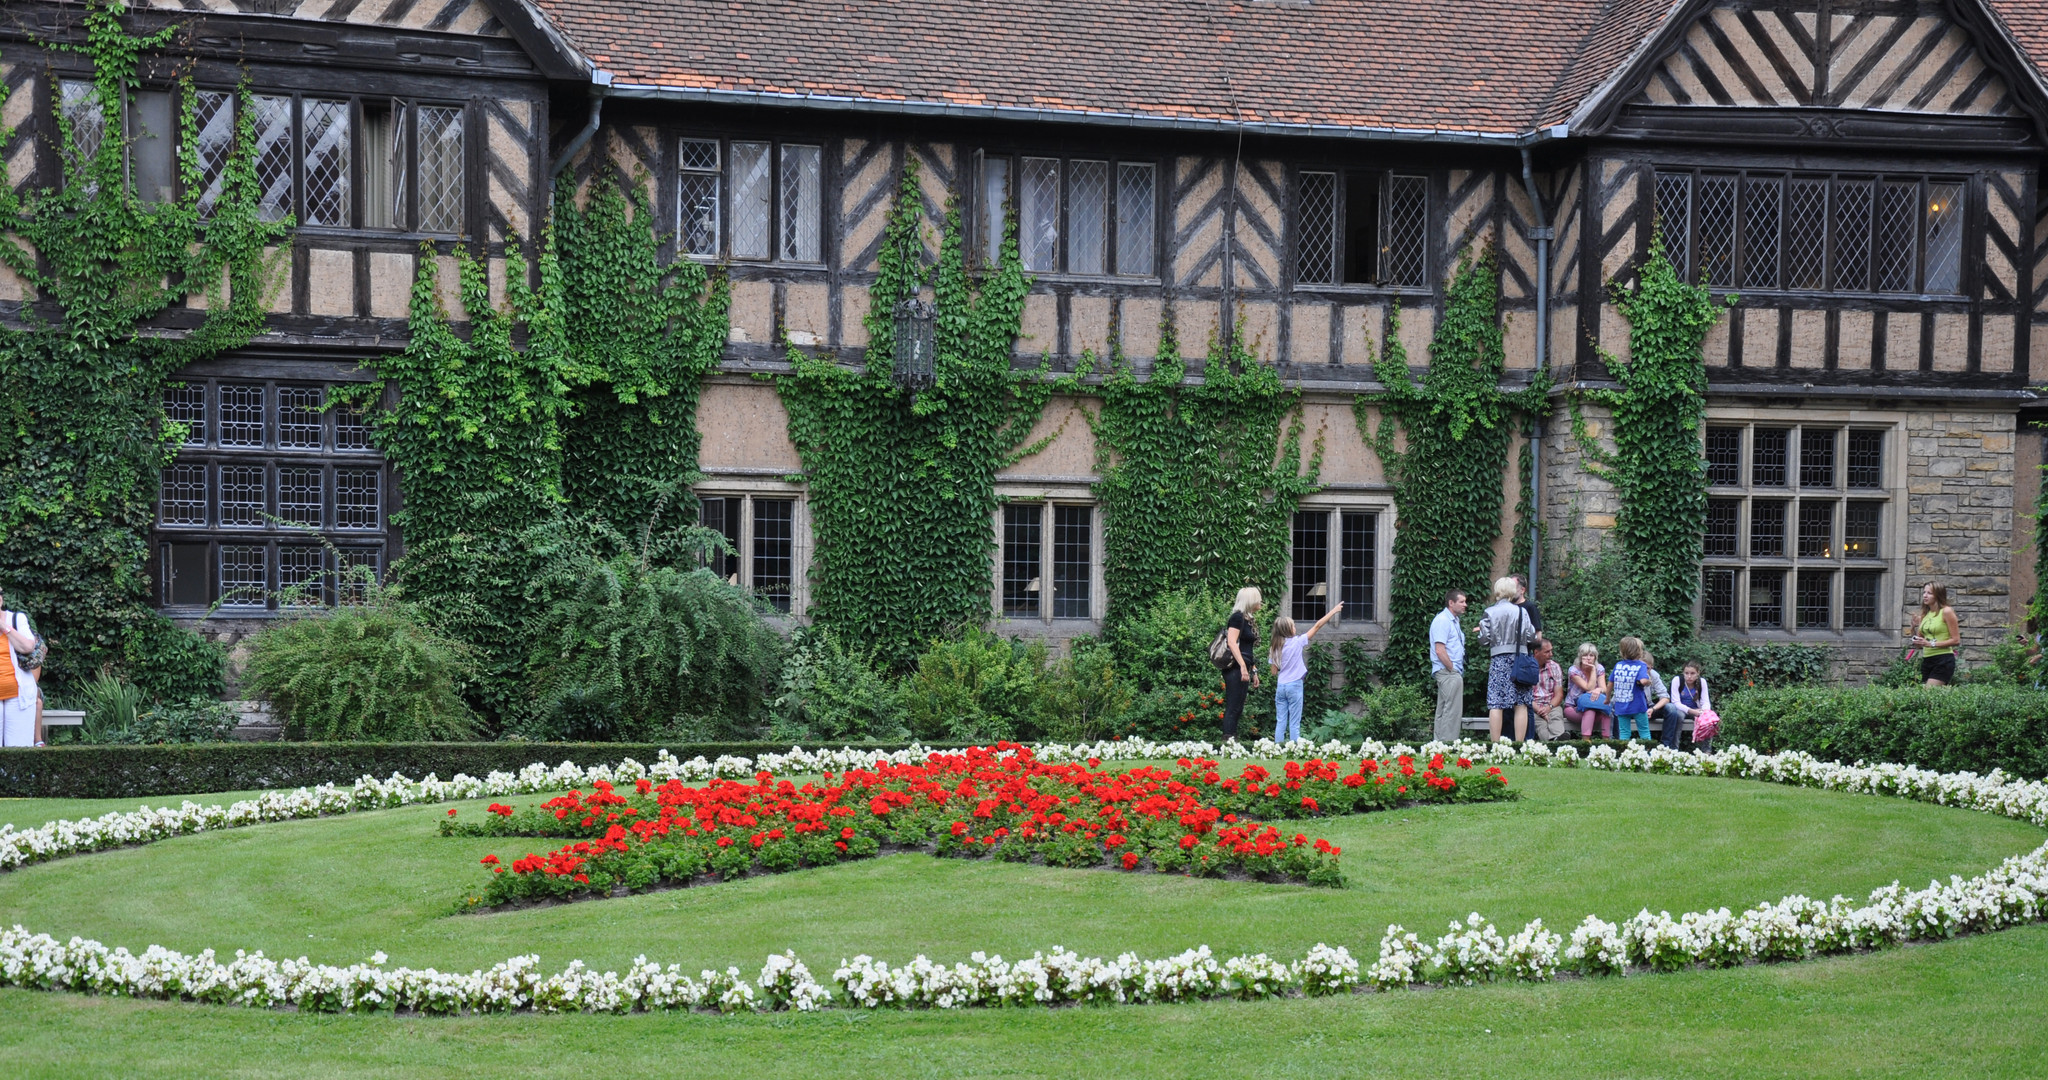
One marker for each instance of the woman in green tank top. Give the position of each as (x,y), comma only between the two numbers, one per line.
(1937,635)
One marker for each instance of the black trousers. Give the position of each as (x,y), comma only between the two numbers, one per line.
(1233,700)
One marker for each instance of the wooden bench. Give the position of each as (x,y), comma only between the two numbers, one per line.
(1481,723)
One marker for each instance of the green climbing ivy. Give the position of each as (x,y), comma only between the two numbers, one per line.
(902,486)
(81,387)
(1457,422)
(1656,465)
(1199,480)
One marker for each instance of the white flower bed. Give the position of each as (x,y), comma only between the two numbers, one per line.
(1474,951)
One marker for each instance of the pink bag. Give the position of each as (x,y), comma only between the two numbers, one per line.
(1706,725)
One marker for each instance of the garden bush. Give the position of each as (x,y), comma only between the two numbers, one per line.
(1166,643)
(831,691)
(976,688)
(1398,713)
(1953,729)
(374,670)
(1084,697)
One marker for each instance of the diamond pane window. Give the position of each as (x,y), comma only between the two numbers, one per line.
(1724,455)
(1309,591)
(327,161)
(1717,597)
(299,499)
(995,207)
(698,229)
(1816,529)
(1898,218)
(1763,203)
(79,103)
(1766,599)
(1767,529)
(181,496)
(1865,464)
(752,188)
(1407,233)
(1136,218)
(440,168)
(1944,224)
(775,551)
(241,415)
(1806,235)
(1713,232)
(272,118)
(242,501)
(1674,220)
(298,418)
(1038,213)
(801,203)
(1852,236)
(1816,458)
(1721,535)
(1816,598)
(1023,535)
(358,499)
(1862,524)
(1072,547)
(213,118)
(1859,599)
(698,155)
(1316,248)
(186,404)
(1358,564)
(244,575)
(300,568)
(1087,217)
(1770,453)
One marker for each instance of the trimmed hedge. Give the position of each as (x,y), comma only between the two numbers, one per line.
(1951,729)
(126,772)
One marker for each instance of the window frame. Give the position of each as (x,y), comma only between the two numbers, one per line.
(1383,550)
(749,493)
(981,254)
(1294,228)
(827,164)
(1047,617)
(1747,568)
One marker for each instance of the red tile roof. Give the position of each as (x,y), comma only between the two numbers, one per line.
(1464,67)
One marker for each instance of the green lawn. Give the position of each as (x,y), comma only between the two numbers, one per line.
(1578,843)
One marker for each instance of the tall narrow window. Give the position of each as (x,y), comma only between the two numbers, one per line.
(301,498)
(697,197)
(1087,217)
(801,204)
(775,551)
(327,161)
(181,496)
(1315,257)
(383,165)
(1023,535)
(1038,213)
(1816,457)
(1944,238)
(241,415)
(1309,592)
(272,118)
(1862,524)
(1769,457)
(1767,529)
(1859,599)
(242,502)
(244,575)
(1806,235)
(1763,201)
(1674,220)
(351,428)
(1724,455)
(1714,231)
(1358,565)
(752,190)
(1816,598)
(1766,599)
(995,207)
(1072,562)
(1717,597)
(1852,236)
(721,514)
(1405,240)
(1136,215)
(358,499)
(185,404)
(1816,528)
(1898,211)
(300,568)
(1362,221)
(152,146)
(213,118)
(79,103)
(299,424)
(187,580)
(441,168)
(1866,459)
(1720,536)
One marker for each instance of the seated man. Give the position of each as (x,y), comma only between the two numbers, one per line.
(1548,720)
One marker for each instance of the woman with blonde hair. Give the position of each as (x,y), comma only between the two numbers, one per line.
(1241,640)
(1506,631)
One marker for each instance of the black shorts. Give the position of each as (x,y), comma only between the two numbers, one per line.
(1941,667)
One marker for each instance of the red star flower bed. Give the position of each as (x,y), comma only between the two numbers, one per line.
(992,802)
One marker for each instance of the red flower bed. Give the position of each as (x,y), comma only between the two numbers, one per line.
(997,802)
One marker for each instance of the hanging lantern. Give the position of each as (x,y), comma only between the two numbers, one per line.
(916,321)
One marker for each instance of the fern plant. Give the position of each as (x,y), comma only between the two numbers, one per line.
(374,671)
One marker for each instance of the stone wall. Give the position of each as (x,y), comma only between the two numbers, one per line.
(1959,518)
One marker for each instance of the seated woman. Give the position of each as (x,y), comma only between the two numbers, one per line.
(1587,701)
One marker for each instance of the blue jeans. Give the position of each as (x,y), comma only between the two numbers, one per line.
(1674,724)
(1287,712)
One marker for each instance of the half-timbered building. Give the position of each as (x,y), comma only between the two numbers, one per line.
(1862,174)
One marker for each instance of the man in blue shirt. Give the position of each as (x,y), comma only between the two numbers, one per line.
(1447,665)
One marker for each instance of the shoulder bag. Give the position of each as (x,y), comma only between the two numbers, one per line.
(1526,671)
(1219,650)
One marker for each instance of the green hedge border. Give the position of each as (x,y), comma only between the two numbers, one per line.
(125,772)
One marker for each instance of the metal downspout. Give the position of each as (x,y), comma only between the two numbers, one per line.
(600,88)
(1539,231)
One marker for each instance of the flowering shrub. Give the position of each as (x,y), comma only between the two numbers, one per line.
(998,802)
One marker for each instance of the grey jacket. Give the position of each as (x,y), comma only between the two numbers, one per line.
(1506,629)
